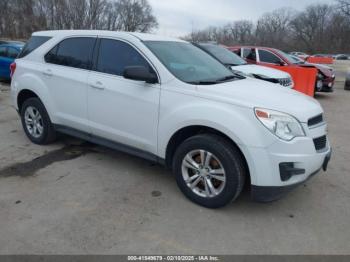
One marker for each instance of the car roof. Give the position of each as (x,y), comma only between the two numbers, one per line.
(12,41)
(140,36)
(252,46)
(206,43)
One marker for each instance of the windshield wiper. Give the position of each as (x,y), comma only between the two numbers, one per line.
(218,81)
(227,78)
(203,82)
(236,64)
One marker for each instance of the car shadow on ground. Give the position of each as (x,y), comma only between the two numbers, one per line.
(5,81)
(72,148)
(164,179)
(323,96)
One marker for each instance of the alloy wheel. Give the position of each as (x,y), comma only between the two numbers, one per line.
(203,173)
(33,122)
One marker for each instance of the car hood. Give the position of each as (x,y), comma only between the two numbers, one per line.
(261,70)
(254,93)
(326,70)
(323,67)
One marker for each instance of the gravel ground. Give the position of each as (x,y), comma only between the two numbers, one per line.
(76,198)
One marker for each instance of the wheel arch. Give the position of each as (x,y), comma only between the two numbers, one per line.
(24,95)
(30,85)
(189,131)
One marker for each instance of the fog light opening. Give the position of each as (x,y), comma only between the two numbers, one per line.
(288,170)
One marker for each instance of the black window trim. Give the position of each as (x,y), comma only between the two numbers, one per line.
(72,37)
(259,49)
(97,51)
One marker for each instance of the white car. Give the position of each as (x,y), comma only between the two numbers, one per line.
(168,101)
(239,66)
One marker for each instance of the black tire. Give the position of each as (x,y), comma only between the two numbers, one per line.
(231,160)
(48,135)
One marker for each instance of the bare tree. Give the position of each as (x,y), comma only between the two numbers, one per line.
(344,6)
(310,26)
(273,29)
(19,18)
(77,13)
(4,17)
(242,32)
(238,32)
(135,15)
(319,28)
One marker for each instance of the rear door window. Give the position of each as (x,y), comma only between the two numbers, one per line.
(115,55)
(33,43)
(73,52)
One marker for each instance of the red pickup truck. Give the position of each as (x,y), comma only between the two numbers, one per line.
(275,58)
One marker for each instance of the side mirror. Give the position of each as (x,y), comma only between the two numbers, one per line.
(140,73)
(281,63)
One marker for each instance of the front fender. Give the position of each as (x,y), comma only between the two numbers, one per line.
(238,123)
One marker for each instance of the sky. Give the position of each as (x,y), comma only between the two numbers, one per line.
(178,17)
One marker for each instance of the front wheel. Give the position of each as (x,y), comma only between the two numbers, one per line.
(209,170)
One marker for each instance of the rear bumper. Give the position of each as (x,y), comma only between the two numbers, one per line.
(271,193)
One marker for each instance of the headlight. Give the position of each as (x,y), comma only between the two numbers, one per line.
(284,126)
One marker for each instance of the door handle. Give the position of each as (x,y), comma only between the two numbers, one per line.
(98,85)
(48,72)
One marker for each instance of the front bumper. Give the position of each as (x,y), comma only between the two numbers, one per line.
(273,193)
(327,85)
(283,165)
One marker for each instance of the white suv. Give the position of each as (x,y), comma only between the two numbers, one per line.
(168,101)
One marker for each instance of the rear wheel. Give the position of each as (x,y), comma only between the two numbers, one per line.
(36,122)
(209,170)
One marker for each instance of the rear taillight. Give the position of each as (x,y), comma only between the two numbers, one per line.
(12,69)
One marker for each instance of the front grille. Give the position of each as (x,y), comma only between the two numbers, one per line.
(315,120)
(285,81)
(320,143)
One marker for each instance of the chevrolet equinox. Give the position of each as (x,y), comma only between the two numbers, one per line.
(168,101)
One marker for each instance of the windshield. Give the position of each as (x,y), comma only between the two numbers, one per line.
(297,60)
(189,63)
(287,57)
(223,55)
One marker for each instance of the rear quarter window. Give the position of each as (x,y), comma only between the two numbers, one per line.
(33,43)
(73,52)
